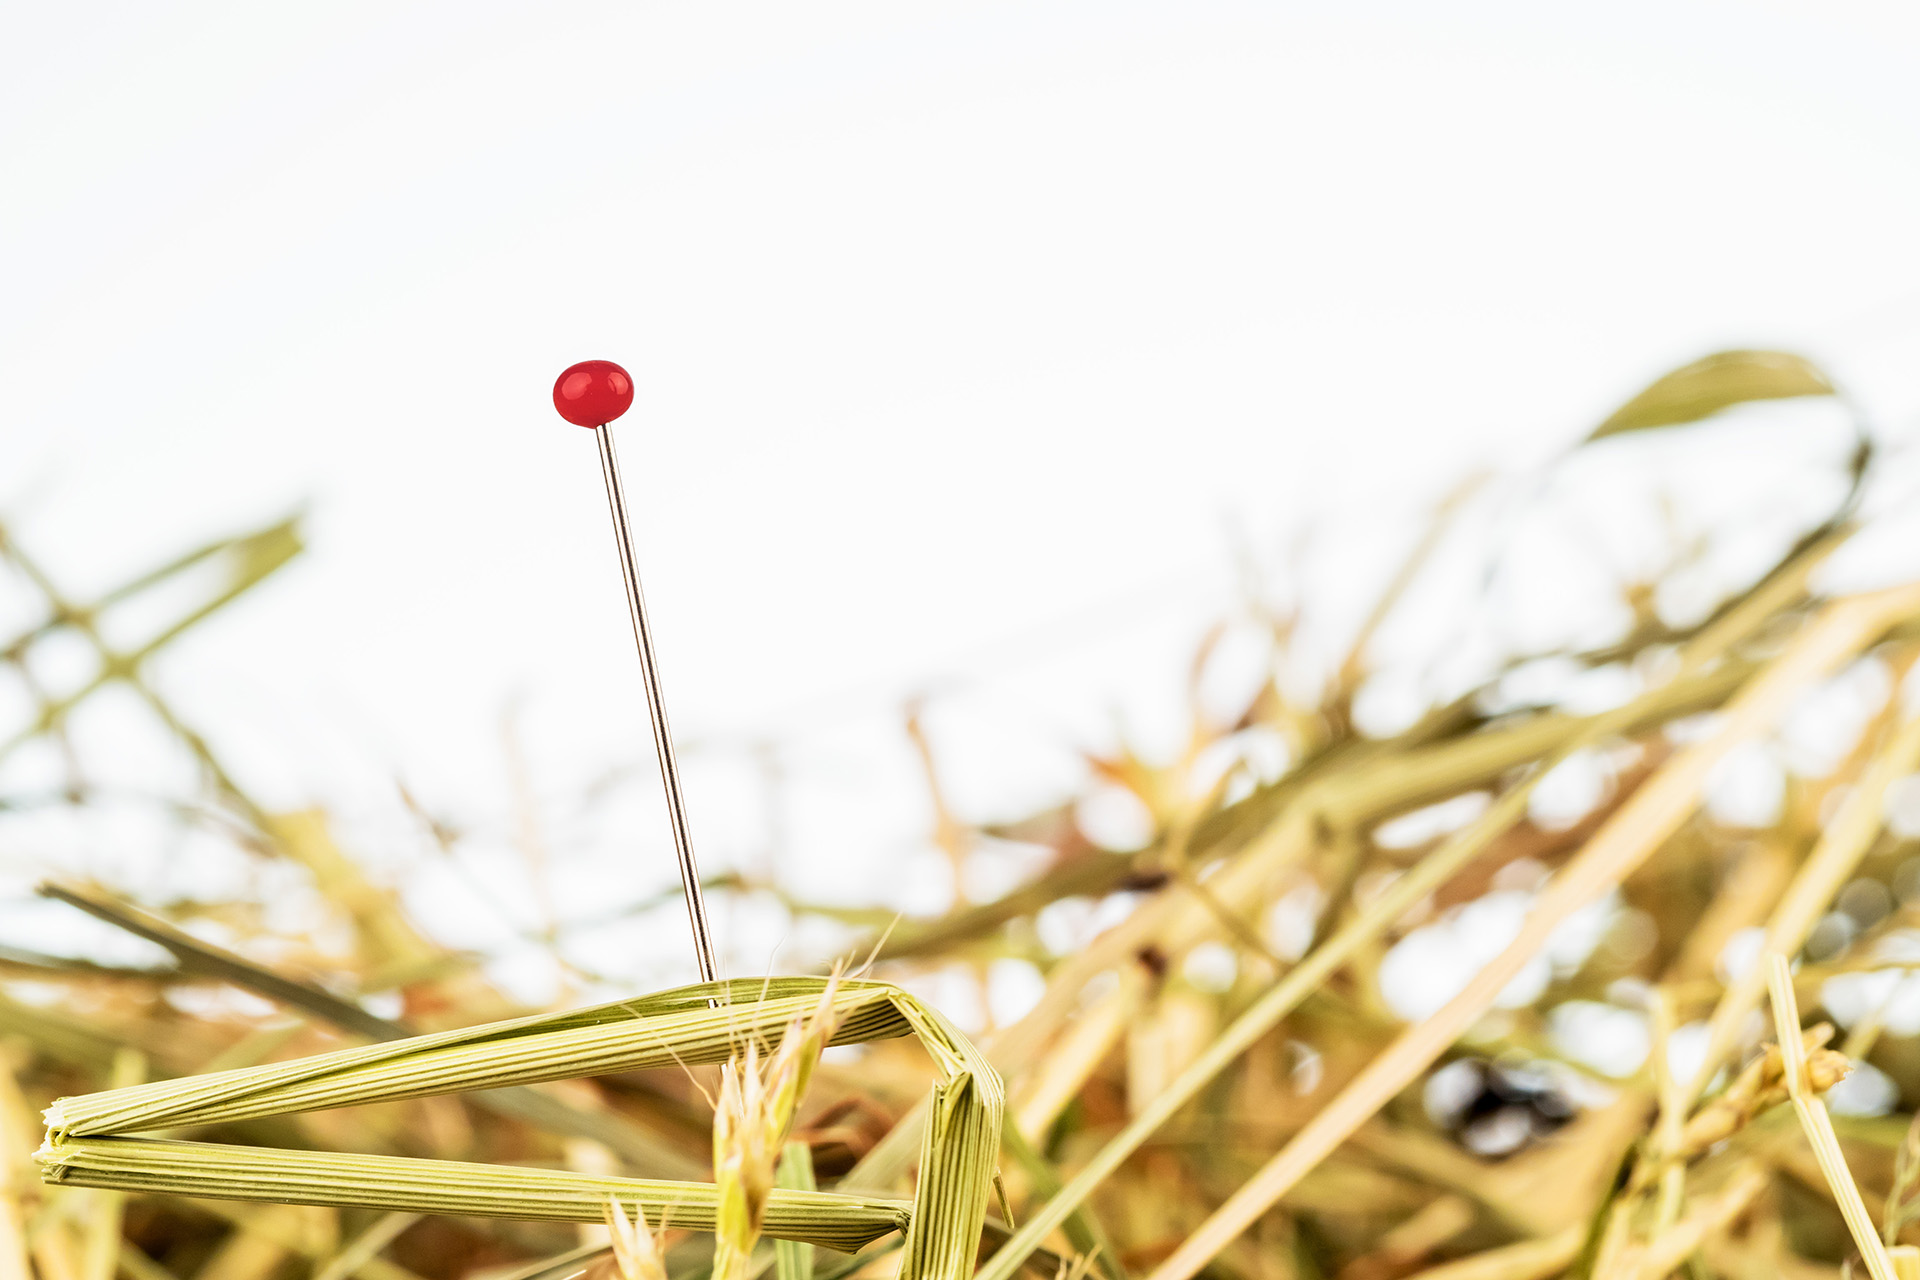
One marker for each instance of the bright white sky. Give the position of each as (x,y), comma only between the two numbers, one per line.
(965,336)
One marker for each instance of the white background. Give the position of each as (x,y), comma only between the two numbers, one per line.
(971,341)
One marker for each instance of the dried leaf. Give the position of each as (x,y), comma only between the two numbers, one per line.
(1717,382)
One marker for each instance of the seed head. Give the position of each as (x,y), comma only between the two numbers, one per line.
(760,1092)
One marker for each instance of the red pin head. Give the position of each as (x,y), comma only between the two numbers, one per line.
(593,393)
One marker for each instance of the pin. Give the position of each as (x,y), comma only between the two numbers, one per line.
(592,394)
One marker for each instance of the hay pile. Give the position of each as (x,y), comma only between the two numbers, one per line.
(1262,1054)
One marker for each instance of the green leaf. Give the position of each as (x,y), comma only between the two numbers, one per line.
(794,1260)
(1717,382)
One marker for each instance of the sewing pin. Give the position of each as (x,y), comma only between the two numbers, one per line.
(592,394)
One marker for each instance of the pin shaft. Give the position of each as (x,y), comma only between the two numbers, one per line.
(657,710)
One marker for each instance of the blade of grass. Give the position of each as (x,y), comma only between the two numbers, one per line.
(292,1239)
(154,1166)
(662,1030)
(794,1261)
(1528,1260)
(206,960)
(642,1149)
(1083,1230)
(1818,1124)
(364,1247)
(15,1139)
(1675,1243)
(100,1241)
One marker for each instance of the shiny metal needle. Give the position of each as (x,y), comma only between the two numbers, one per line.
(657,710)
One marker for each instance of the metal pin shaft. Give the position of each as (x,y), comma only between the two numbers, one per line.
(657,710)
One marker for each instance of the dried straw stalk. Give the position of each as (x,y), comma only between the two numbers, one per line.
(89,1140)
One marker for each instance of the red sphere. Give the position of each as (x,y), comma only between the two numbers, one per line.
(593,393)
